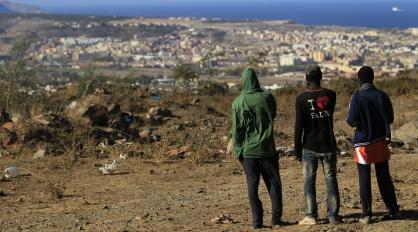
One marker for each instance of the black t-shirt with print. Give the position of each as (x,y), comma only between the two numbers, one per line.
(314,121)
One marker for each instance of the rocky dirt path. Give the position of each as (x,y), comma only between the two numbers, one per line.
(181,196)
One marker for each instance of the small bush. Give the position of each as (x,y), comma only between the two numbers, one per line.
(398,86)
(56,190)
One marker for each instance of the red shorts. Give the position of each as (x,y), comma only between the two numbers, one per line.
(372,153)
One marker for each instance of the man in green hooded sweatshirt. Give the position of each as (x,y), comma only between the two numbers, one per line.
(253,114)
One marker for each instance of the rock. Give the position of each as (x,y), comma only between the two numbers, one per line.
(213,111)
(7,137)
(179,127)
(114,109)
(11,126)
(408,133)
(97,115)
(195,101)
(230,148)
(12,172)
(100,91)
(109,134)
(121,121)
(109,168)
(72,105)
(54,121)
(37,132)
(39,154)
(286,151)
(161,111)
(155,138)
(145,133)
(223,219)
(180,153)
(396,143)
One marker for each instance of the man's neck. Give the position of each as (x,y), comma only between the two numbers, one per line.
(314,86)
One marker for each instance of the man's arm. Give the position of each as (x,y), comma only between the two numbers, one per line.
(353,116)
(389,110)
(333,102)
(273,106)
(299,126)
(237,132)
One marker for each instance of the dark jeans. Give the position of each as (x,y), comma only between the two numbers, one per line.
(310,166)
(268,168)
(384,180)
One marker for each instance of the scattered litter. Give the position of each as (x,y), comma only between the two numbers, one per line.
(196,100)
(230,148)
(285,151)
(123,156)
(181,152)
(39,154)
(12,172)
(109,168)
(223,219)
(72,105)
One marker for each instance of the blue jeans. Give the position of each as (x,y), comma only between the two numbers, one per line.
(310,161)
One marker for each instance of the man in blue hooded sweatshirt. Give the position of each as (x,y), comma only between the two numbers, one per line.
(253,114)
(371,112)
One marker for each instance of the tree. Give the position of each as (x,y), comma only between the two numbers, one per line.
(184,73)
(16,70)
(90,76)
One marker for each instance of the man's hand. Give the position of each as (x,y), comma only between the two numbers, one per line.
(298,156)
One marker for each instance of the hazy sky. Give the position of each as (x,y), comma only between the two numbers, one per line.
(56,3)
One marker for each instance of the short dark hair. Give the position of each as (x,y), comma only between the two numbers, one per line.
(313,73)
(366,74)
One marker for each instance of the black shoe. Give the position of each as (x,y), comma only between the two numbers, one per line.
(392,216)
(335,220)
(277,225)
(257,227)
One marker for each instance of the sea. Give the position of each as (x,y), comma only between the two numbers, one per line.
(367,13)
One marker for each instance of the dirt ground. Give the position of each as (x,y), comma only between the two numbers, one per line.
(157,192)
(183,196)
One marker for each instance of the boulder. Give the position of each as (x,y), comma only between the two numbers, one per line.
(160,111)
(7,137)
(180,153)
(11,126)
(145,133)
(39,154)
(156,115)
(408,133)
(97,115)
(114,109)
(54,121)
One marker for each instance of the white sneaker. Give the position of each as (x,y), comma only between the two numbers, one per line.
(308,221)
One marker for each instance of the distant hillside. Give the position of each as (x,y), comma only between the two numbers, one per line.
(12,7)
(4,9)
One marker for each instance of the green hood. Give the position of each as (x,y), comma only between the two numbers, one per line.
(250,81)
(253,113)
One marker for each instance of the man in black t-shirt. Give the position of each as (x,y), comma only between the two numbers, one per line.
(314,142)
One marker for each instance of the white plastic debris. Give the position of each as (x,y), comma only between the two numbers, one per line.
(39,154)
(72,105)
(123,156)
(12,172)
(109,168)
